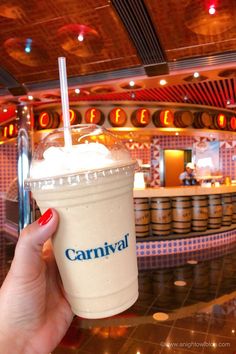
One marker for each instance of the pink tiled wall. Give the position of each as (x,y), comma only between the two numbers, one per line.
(227,153)
(140,151)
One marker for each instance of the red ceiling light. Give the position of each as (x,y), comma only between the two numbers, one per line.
(212,9)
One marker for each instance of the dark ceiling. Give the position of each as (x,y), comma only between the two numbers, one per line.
(108,43)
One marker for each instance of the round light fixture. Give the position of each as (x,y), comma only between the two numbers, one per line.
(80,37)
(131,83)
(163,82)
(212,10)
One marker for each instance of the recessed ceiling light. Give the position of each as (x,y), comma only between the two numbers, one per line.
(30,97)
(185,98)
(80,37)
(4,110)
(131,83)
(77,90)
(228,102)
(163,82)
(133,95)
(212,9)
(28,44)
(196,74)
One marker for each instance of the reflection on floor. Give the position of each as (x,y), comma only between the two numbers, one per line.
(187,304)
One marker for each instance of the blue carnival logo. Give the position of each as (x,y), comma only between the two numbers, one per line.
(92,253)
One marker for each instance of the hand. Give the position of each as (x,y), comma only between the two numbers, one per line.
(34,314)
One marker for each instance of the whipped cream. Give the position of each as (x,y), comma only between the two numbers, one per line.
(58,161)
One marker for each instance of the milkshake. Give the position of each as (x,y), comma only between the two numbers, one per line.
(91,187)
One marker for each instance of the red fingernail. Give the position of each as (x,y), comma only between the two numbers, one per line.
(45,218)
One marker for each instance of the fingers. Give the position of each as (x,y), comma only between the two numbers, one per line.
(28,253)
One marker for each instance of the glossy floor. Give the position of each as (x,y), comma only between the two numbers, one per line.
(186,304)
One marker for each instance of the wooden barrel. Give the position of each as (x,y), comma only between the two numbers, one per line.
(214,211)
(47,120)
(142,216)
(234,208)
(161,216)
(200,213)
(227,209)
(219,121)
(202,120)
(140,117)
(181,214)
(163,118)
(183,119)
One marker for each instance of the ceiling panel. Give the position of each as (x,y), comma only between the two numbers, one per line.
(51,28)
(108,42)
(186,29)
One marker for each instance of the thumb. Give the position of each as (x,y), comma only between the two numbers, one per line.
(28,253)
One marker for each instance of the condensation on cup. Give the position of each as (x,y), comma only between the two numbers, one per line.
(90,184)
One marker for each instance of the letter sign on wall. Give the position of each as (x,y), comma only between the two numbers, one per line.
(48,120)
(221,121)
(44,120)
(94,116)
(117,117)
(232,123)
(166,118)
(10,130)
(75,117)
(140,117)
(163,118)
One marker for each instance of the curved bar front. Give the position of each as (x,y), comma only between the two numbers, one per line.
(184,219)
(182,191)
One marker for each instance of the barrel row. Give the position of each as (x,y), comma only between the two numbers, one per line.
(162,216)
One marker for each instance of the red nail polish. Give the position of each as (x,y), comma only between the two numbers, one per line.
(45,218)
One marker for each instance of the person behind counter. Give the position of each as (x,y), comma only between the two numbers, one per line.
(188,177)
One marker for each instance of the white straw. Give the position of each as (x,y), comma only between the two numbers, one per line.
(65,101)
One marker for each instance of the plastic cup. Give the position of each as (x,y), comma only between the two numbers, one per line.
(91,187)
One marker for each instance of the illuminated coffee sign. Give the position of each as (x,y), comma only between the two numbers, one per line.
(166,118)
(117,117)
(10,131)
(221,121)
(163,118)
(94,116)
(232,123)
(140,117)
(44,120)
(48,120)
(75,117)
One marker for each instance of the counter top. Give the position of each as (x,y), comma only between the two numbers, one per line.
(182,191)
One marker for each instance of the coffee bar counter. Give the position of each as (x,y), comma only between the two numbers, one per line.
(182,191)
(184,219)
